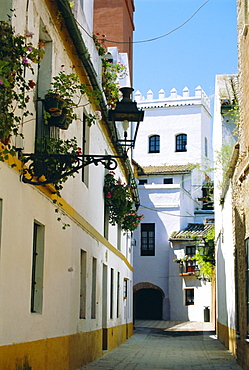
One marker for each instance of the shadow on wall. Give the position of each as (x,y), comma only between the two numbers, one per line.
(152,302)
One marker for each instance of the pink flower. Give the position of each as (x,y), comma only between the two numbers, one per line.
(25,61)
(1,82)
(29,48)
(118,182)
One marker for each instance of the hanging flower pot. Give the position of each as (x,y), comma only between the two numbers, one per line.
(53,104)
(62,121)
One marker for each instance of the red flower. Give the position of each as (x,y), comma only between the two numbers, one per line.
(31,84)
(109,194)
(78,151)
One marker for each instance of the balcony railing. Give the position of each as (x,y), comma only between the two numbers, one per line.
(187,268)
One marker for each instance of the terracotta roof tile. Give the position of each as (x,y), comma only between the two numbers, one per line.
(149,170)
(192,231)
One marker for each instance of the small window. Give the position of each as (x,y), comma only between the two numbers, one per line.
(154,144)
(190,252)
(118,293)
(94,286)
(168,181)
(125,288)
(181,143)
(37,269)
(206,147)
(142,182)
(147,239)
(83,274)
(189,297)
(85,149)
(111,293)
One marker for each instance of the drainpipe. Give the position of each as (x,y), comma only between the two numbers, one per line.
(84,56)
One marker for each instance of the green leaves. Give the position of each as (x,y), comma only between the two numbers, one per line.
(118,198)
(15,57)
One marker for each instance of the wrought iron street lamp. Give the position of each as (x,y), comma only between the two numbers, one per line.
(44,168)
(126,111)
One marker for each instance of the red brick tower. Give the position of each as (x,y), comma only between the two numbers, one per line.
(114,18)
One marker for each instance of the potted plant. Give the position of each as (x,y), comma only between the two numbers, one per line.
(100,43)
(131,221)
(63,97)
(120,203)
(57,157)
(111,73)
(16,56)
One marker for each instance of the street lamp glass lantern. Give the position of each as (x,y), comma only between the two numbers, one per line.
(126,111)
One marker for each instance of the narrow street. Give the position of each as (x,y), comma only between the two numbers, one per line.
(168,345)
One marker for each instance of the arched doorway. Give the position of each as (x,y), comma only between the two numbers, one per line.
(148,304)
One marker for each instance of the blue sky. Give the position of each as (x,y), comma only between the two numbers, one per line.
(190,56)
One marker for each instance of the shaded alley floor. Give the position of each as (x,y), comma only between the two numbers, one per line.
(168,345)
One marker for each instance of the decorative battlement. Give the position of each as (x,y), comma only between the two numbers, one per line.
(174,99)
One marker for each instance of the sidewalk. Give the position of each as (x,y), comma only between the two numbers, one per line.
(168,345)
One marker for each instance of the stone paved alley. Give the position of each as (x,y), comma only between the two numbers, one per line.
(168,345)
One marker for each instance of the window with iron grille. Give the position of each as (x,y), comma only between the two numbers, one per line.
(181,143)
(147,239)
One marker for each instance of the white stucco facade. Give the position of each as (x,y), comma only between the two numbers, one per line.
(82,307)
(171,183)
(225,152)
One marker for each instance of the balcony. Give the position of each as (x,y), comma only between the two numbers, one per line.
(187,268)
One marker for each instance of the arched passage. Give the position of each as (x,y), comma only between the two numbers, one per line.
(148,303)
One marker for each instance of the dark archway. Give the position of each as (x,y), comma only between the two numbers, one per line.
(148,304)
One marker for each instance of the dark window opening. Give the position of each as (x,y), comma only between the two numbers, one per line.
(189,297)
(190,252)
(168,181)
(207,195)
(154,144)
(147,239)
(181,143)
(142,182)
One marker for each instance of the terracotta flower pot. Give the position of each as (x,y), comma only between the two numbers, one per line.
(53,104)
(61,121)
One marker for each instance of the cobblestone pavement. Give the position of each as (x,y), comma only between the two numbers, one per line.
(174,347)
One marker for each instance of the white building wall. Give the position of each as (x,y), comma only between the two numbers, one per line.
(168,117)
(83,209)
(223,134)
(172,207)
